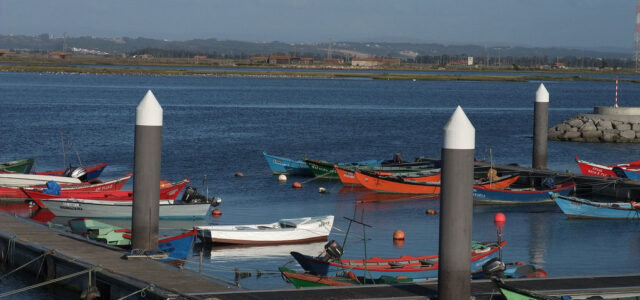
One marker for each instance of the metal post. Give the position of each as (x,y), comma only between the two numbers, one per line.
(146,184)
(540,127)
(456,208)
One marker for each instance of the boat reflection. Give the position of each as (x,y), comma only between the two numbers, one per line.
(247,252)
(27,211)
(385,197)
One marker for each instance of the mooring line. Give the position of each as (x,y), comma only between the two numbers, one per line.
(24,289)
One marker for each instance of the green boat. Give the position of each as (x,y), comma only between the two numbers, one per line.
(345,279)
(23,166)
(514,293)
(102,232)
(325,170)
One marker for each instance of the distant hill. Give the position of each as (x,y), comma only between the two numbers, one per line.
(227,48)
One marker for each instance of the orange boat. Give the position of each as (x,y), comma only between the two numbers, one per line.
(400,185)
(348,175)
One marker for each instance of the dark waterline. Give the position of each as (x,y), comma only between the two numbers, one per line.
(220,125)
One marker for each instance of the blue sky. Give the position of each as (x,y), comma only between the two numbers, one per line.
(544,23)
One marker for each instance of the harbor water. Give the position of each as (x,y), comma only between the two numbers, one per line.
(219,126)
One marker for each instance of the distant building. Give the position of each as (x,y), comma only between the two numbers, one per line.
(279,59)
(306,60)
(3,52)
(559,65)
(372,62)
(333,61)
(59,54)
(259,59)
(200,56)
(470,61)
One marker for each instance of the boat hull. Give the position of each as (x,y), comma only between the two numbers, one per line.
(101,209)
(111,185)
(574,207)
(168,192)
(24,180)
(487,195)
(23,166)
(283,165)
(326,170)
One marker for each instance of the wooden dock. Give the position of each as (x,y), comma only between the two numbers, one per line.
(22,240)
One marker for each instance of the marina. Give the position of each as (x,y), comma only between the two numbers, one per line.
(538,234)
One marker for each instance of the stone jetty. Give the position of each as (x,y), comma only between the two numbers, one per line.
(605,125)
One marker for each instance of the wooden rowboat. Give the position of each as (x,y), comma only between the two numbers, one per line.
(393,184)
(83,208)
(574,207)
(23,166)
(23,180)
(94,185)
(283,165)
(285,231)
(508,195)
(620,170)
(325,170)
(347,174)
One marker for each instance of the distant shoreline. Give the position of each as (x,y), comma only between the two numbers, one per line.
(90,67)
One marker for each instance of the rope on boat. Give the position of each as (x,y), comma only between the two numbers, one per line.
(37,285)
(28,263)
(141,291)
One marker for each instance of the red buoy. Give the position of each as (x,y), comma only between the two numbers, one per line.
(398,235)
(499,218)
(297,185)
(216,212)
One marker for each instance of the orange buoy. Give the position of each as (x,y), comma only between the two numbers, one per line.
(297,185)
(216,212)
(239,174)
(398,235)
(431,212)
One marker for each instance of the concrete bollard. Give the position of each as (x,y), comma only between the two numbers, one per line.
(456,208)
(540,128)
(146,184)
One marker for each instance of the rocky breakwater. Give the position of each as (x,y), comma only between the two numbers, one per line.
(596,128)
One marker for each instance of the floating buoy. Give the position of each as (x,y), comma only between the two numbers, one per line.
(499,218)
(322,190)
(239,174)
(282,178)
(297,185)
(216,212)
(398,235)
(431,212)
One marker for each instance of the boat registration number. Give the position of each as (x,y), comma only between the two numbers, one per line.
(71,206)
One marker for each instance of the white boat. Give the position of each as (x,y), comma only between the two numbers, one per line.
(83,208)
(24,180)
(285,231)
(244,252)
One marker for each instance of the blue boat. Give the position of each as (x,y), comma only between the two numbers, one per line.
(632,173)
(488,195)
(575,207)
(283,165)
(178,247)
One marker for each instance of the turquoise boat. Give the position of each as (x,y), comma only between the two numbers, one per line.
(574,207)
(283,165)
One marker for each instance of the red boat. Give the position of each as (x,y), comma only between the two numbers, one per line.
(92,171)
(95,185)
(348,175)
(392,184)
(168,191)
(589,168)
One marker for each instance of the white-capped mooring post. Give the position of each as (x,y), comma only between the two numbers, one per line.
(540,127)
(146,178)
(456,208)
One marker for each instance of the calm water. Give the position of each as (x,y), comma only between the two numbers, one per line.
(218,126)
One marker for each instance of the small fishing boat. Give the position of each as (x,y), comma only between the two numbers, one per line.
(325,169)
(83,208)
(594,169)
(283,165)
(168,191)
(511,195)
(285,231)
(95,185)
(177,247)
(92,171)
(23,166)
(347,278)
(574,207)
(23,180)
(514,293)
(402,185)
(347,174)
(410,266)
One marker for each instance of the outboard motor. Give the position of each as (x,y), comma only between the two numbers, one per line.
(333,250)
(76,172)
(494,267)
(191,195)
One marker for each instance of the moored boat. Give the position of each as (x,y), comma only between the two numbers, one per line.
(283,165)
(509,195)
(178,247)
(410,266)
(168,191)
(574,207)
(325,169)
(92,171)
(23,166)
(619,170)
(23,180)
(285,231)
(82,208)
(87,186)
(394,184)
(347,174)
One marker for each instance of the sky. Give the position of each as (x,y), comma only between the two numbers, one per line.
(531,23)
